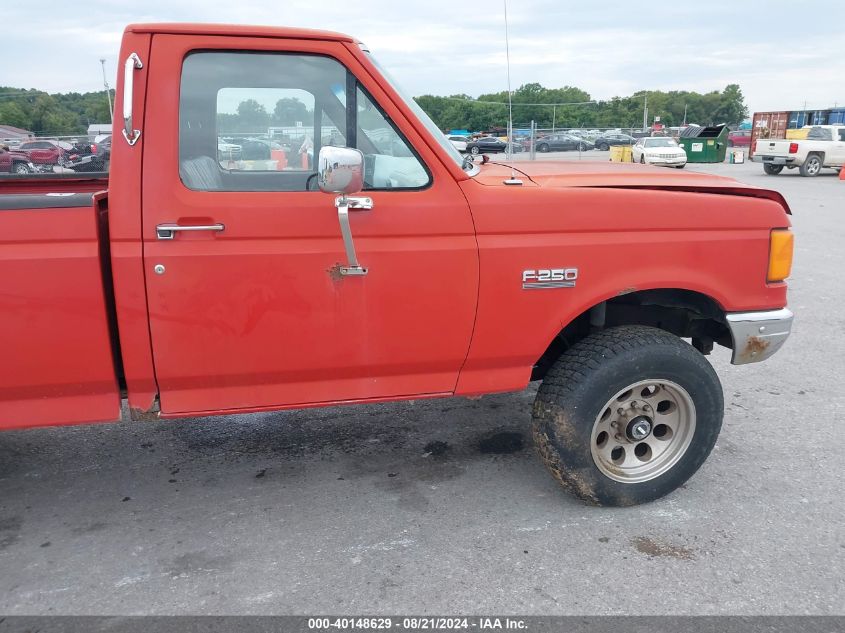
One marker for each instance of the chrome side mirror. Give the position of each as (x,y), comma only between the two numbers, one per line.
(340,170)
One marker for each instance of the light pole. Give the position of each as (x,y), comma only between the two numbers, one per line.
(108,90)
(645,113)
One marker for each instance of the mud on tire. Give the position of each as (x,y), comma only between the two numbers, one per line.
(578,388)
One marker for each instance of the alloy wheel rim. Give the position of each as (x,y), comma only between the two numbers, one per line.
(643,431)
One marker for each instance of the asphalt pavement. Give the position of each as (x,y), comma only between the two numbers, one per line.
(442,506)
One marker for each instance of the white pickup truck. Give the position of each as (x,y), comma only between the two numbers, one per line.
(823,147)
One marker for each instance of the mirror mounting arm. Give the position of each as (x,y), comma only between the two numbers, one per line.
(344,204)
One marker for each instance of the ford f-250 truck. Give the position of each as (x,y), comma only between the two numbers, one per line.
(823,147)
(375,263)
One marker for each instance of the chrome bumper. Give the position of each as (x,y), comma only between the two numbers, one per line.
(758,335)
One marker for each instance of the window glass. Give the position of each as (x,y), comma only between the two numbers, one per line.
(842,134)
(389,161)
(257,121)
(820,134)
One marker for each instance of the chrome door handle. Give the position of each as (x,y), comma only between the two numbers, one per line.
(168,231)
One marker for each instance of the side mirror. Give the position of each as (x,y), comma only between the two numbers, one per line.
(340,170)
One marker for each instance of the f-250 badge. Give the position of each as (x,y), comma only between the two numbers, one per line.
(542,278)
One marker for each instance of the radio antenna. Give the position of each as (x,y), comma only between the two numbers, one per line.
(513,180)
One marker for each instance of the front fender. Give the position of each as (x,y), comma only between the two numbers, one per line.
(620,241)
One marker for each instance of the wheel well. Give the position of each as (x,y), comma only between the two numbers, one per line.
(685,313)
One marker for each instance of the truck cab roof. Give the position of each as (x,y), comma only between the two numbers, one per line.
(238,30)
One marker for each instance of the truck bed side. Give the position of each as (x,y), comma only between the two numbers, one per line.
(58,366)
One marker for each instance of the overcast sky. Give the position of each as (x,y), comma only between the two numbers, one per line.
(782,53)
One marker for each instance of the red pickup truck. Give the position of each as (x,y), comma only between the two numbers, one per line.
(376,263)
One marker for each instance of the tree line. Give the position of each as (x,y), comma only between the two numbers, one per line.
(576,109)
(53,114)
(71,113)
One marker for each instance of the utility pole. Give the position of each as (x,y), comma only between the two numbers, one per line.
(685,114)
(645,114)
(108,90)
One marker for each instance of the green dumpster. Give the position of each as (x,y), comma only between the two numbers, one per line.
(705,144)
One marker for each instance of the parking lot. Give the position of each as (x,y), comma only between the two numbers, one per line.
(442,506)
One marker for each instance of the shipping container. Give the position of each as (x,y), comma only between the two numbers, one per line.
(818,117)
(797,119)
(768,125)
(837,117)
(797,135)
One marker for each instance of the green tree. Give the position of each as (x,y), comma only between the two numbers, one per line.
(252,116)
(289,111)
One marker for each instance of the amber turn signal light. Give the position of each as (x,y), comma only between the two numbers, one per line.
(780,255)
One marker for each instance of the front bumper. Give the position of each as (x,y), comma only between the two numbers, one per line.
(758,335)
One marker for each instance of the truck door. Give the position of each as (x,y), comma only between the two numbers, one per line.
(248,307)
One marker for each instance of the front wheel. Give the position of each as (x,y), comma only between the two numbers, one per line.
(603,147)
(22,168)
(627,415)
(474,150)
(542,148)
(772,170)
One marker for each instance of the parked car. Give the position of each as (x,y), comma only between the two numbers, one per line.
(562,143)
(659,151)
(236,292)
(604,141)
(739,138)
(102,146)
(487,145)
(823,147)
(460,142)
(44,152)
(14,163)
(227,151)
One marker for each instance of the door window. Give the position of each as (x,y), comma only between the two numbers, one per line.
(257,121)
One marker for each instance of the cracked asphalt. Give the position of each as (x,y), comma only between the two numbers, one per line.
(442,506)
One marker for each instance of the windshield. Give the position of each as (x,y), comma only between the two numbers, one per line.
(421,115)
(660,142)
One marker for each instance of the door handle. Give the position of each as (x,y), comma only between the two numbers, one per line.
(168,231)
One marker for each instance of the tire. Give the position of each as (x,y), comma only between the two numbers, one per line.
(542,148)
(21,168)
(642,159)
(582,147)
(772,170)
(680,166)
(812,166)
(573,406)
(474,150)
(603,147)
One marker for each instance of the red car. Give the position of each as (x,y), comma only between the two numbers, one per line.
(739,138)
(395,269)
(10,162)
(42,152)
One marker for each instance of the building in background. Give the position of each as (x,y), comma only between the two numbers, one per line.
(12,133)
(97,129)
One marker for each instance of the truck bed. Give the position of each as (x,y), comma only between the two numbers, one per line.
(54,323)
